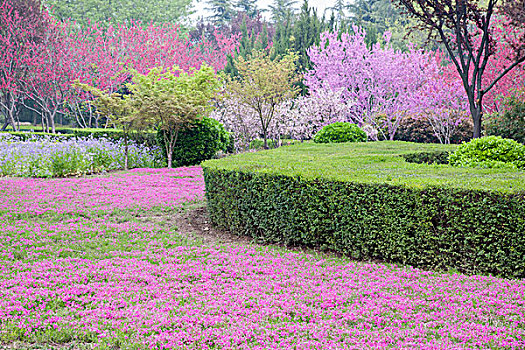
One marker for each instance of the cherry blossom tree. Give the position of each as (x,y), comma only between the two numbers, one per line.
(312,112)
(384,84)
(22,27)
(466,28)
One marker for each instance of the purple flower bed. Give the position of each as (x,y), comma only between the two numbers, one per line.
(51,158)
(91,272)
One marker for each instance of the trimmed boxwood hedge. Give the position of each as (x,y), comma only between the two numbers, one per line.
(473,230)
(24,136)
(143,138)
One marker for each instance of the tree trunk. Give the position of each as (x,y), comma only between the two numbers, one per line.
(44,124)
(51,118)
(6,123)
(170,163)
(126,154)
(476,118)
(12,120)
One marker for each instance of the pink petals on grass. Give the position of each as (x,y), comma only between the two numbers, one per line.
(95,277)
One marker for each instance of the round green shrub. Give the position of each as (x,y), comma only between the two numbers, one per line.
(511,123)
(198,142)
(340,132)
(489,152)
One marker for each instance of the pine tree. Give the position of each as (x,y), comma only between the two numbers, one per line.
(247,6)
(280,9)
(222,11)
(338,11)
(283,34)
(306,32)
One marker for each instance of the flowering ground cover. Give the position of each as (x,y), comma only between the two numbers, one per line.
(93,262)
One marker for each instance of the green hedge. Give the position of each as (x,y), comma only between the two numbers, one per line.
(145,138)
(24,136)
(437,157)
(427,221)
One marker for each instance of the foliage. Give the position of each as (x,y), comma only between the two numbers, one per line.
(258,144)
(282,9)
(255,35)
(511,122)
(199,141)
(30,136)
(467,30)
(249,7)
(297,34)
(46,157)
(436,157)
(340,132)
(222,12)
(117,109)
(23,27)
(85,12)
(171,99)
(381,81)
(419,129)
(378,17)
(489,152)
(365,201)
(40,72)
(262,86)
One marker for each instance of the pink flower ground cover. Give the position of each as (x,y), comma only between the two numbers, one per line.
(91,272)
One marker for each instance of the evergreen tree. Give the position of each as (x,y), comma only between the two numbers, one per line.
(283,34)
(255,36)
(222,12)
(280,9)
(378,17)
(338,11)
(247,6)
(146,11)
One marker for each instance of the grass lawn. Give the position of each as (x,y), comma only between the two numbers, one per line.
(371,163)
(96,263)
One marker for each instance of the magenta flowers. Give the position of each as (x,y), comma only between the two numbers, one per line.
(79,263)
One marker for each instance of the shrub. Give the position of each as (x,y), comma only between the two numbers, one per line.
(511,123)
(420,130)
(489,152)
(364,201)
(258,144)
(146,139)
(340,132)
(30,136)
(198,142)
(437,157)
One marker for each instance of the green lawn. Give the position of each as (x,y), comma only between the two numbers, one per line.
(372,162)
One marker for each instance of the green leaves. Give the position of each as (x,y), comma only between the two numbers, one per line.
(199,141)
(169,98)
(489,152)
(436,226)
(82,11)
(340,132)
